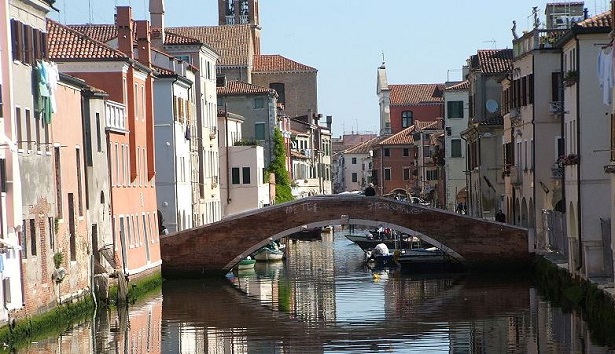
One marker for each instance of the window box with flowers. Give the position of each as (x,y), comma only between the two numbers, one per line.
(570,78)
(568,160)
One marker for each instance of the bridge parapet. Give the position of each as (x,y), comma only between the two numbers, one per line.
(213,249)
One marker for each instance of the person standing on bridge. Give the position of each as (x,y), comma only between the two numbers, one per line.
(500,216)
(369,190)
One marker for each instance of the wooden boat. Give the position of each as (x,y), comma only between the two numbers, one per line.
(246,263)
(368,241)
(313,234)
(429,259)
(271,252)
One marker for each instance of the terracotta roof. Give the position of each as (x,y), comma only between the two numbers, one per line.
(493,61)
(404,137)
(232,42)
(413,94)
(172,38)
(102,32)
(464,85)
(242,88)
(163,71)
(277,63)
(64,43)
(108,32)
(427,125)
(362,148)
(604,19)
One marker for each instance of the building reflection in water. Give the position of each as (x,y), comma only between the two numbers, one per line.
(322,299)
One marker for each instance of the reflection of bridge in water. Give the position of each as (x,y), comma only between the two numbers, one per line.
(197,306)
(215,248)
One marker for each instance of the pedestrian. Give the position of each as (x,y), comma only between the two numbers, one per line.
(370,191)
(500,216)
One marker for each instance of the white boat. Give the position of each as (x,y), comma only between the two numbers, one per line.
(271,252)
(246,263)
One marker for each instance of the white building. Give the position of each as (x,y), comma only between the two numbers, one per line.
(175,119)
(456,106)
(243,185)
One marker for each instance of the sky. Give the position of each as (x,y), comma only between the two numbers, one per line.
(346,40)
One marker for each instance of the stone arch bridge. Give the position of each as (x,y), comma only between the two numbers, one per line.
(212,250)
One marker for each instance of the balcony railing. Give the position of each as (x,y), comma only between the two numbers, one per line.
(556,107)
(516,176)
(116,116)
(557,172)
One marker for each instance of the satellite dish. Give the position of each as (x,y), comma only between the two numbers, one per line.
(492,106)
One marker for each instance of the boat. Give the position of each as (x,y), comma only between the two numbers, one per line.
(429,259)
(313,234)
(370,239)
(271,252)
(246,263)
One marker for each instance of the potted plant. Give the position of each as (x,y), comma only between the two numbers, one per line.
(570,78)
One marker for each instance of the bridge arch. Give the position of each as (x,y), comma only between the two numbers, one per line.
(215,248)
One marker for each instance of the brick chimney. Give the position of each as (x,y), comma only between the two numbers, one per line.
(124,25)
(143,42)
(156,16)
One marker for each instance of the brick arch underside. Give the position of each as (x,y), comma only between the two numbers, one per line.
(215,248)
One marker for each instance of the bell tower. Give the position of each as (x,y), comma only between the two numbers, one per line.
(238,12)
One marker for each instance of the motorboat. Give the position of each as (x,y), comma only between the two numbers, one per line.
(416,259)
(246,263)
(392,239)
(271,252)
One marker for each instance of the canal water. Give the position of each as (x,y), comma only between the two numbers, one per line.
(322,299)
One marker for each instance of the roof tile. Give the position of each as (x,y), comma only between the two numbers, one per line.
(277,63)
(242,88)
(494,61)
(604,19)
(413,94)
(65,43)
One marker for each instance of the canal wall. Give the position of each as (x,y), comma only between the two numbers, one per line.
(19,332)
(574,293)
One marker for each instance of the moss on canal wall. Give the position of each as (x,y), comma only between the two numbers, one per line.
(65,316)
(577,294)
(54,322)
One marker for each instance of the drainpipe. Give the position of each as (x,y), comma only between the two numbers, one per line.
(578,166)
(381,170)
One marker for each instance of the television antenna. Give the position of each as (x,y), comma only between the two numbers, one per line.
(492,41)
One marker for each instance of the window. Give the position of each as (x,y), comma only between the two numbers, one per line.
(235,175)
(279,88)
(33,237)
(456,148)
(387,152)
(406,173)
(432,175)
(259,131)
(52,233)
(18,128)
(387,174)
(406,152)
(355,177)
(98,137)
(354,160)
(245,172)
(454,109)
(259,103)
(406,119)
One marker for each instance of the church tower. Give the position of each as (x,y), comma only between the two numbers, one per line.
(238,12)
(384,100)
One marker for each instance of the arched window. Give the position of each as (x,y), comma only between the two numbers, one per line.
(406,119)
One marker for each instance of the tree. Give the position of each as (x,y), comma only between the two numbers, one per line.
(278,168)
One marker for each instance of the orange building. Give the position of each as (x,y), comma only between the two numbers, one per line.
(129,127)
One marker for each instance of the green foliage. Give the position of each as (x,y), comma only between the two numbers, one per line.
(278,168)
(58,258)
(42,326)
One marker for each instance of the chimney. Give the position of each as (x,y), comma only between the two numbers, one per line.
(156,15)
(124,25)
(329,121)
(144,43)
